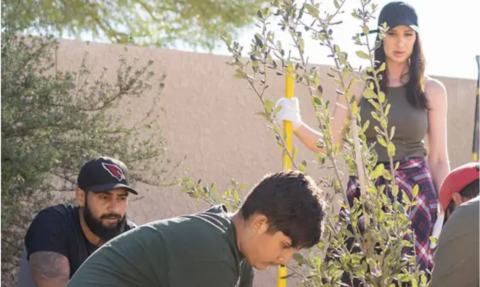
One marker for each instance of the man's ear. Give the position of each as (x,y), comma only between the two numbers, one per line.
(259,223)
(457,198)
(80,196)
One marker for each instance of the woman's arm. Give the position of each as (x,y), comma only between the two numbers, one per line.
(310,137)
(437,158)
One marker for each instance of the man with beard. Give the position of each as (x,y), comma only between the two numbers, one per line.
(62,237)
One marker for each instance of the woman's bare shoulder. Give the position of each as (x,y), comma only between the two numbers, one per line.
(435,91)
(433,85)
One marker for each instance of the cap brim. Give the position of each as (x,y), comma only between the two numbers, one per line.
(111,186)
(414,27)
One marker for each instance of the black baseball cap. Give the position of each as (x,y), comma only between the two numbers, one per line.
(395,14)
(102,174)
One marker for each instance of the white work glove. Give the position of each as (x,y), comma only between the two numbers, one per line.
(437,228)
(290,112)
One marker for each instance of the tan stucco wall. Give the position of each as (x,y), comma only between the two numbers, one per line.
(209,118)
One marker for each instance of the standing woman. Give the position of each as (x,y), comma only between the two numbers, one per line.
(418,112)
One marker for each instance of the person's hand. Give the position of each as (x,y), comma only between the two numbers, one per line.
(290,112)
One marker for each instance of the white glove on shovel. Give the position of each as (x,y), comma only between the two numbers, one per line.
(290,112)
(437,228)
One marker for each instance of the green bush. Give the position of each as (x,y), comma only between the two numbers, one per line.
(53,121)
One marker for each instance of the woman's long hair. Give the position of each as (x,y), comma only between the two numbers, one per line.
(415,88)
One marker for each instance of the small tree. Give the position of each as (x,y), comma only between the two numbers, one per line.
(376,259)
(54,121)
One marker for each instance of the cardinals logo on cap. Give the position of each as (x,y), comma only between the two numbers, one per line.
(114,170)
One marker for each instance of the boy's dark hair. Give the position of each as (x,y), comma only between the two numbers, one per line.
(291,202)
(469,191)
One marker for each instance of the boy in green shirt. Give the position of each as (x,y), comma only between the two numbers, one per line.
(281,215)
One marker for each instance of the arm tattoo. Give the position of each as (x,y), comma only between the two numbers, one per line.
(49,268)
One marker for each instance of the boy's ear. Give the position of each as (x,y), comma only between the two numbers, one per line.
(259,223)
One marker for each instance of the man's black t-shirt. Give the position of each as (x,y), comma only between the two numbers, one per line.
(57,229)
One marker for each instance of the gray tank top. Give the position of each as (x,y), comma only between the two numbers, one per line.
(411,125)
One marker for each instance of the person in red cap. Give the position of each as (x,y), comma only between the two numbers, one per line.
(459,186)
(456,260)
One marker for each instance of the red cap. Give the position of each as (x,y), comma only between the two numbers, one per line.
(456,180)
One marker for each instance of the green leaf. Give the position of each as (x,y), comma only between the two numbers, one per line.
(316,81)
(354,108)
(395,191)
(302,167)
(355,14)
(362,55)
(377,172)
(391,149)
(269,104)
(321,36)
(277,130)
(263,114)
(299,258)
(415,191)
(277,109)
(258,40)
(337,6)
(365,126)
(383,123)
(369,94)
(312,10)
(336,48)
(366,31)
(387,109)
(259,14)
(387,175)
(392,133)
(382,67)
(375,104)
(294,152)
(381,140)
(406,199)
(423,277)
(240,74)
(381,97)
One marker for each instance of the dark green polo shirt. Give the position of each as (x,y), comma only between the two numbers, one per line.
(194,250)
